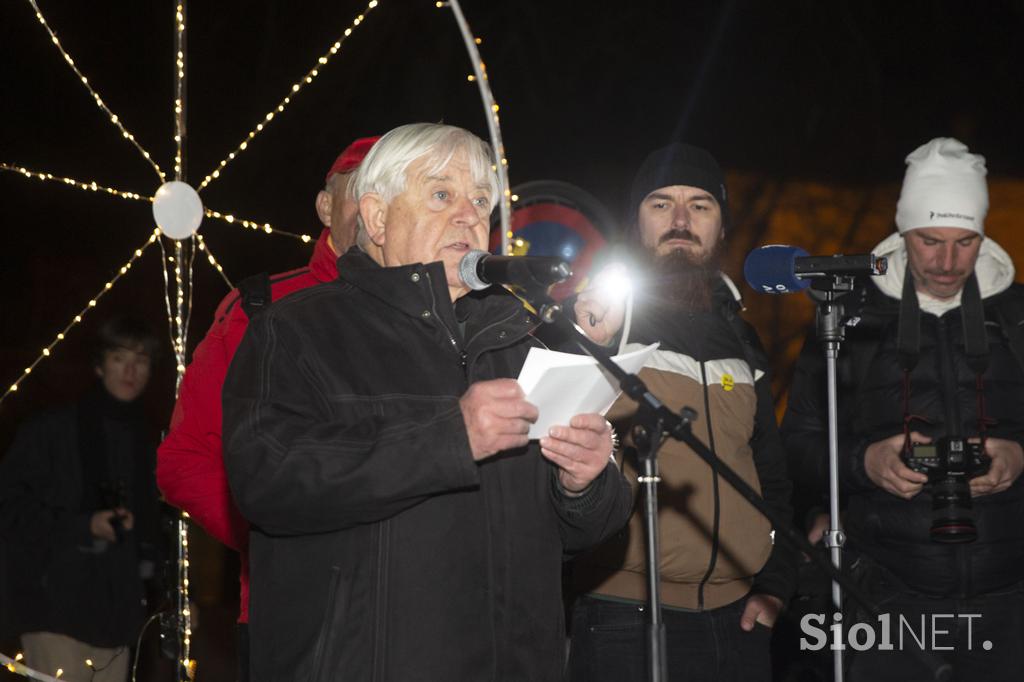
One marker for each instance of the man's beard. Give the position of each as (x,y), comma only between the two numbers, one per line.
(684,279)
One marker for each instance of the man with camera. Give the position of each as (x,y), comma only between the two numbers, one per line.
(931,423)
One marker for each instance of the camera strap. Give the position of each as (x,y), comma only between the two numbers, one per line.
(972,313)
(976,351)
(908,332)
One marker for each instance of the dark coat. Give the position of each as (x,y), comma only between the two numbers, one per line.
(60,578)
(891,530)
(380,550)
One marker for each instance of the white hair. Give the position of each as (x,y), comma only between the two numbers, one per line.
(384,169)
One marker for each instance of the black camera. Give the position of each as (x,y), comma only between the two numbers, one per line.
(949,463)
(114,495)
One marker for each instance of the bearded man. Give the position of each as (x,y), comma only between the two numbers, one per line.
(723,582)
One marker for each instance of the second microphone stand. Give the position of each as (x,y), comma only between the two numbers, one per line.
(830,318)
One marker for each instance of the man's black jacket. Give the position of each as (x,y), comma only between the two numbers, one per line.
(380,549)
(61,579)
(891,530)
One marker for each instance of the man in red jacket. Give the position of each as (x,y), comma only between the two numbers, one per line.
(190,462)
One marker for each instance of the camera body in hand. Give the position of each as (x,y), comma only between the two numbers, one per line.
(949,463)
(113,495)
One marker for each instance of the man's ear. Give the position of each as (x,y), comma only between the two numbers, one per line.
(374,213)
(324,202)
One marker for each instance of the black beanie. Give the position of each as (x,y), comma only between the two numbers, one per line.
(679,164)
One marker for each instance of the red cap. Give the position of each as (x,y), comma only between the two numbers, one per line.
(353,155)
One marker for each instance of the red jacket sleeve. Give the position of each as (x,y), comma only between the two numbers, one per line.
(190,461)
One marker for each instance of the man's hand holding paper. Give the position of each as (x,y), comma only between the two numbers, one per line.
(580,450)
(497,417)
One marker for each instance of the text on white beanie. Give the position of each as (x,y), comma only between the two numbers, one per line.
(944,187)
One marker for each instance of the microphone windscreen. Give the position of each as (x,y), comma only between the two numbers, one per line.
(468,270)
(772,269)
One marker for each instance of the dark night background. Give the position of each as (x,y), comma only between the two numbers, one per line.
(824,92)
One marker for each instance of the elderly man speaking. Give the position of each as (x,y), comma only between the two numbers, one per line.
(403,526)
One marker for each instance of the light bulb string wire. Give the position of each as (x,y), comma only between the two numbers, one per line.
(295,88)
(114,118)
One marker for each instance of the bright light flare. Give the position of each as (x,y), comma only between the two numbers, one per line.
(614,283)
(612,290)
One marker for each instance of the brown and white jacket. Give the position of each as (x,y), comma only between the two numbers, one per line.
(714,546)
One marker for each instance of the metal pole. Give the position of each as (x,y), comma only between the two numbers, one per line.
(180,90)
(829,322)
(185,665)
(648,436)
(493,126)
(834,537)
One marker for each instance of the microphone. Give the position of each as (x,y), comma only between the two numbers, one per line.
(779,269)
(480,269)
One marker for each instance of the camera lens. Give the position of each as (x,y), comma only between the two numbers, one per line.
(952,513)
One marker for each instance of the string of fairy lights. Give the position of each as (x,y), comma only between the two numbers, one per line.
(229,218)
(256,226)
(114,118)
(491,108)
(47,350)
(179,312)
(266,228)
(16,666)
(88,186)
(178,323)
(201,245)
(179,90)
(294,90)
(179,343)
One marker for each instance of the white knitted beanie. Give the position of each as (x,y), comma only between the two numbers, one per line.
(944,187)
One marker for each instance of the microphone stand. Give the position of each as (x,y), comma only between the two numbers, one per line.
(829,319)
(653,423)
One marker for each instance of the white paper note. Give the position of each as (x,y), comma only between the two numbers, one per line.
(563,385)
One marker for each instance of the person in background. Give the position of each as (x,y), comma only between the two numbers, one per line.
(933,360)
(79,517)
(723,581)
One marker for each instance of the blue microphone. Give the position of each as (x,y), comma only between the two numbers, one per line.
(778,269)
(772,269)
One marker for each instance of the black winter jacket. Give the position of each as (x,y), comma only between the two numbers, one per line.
(380,550)
(59,578)
(893,531)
